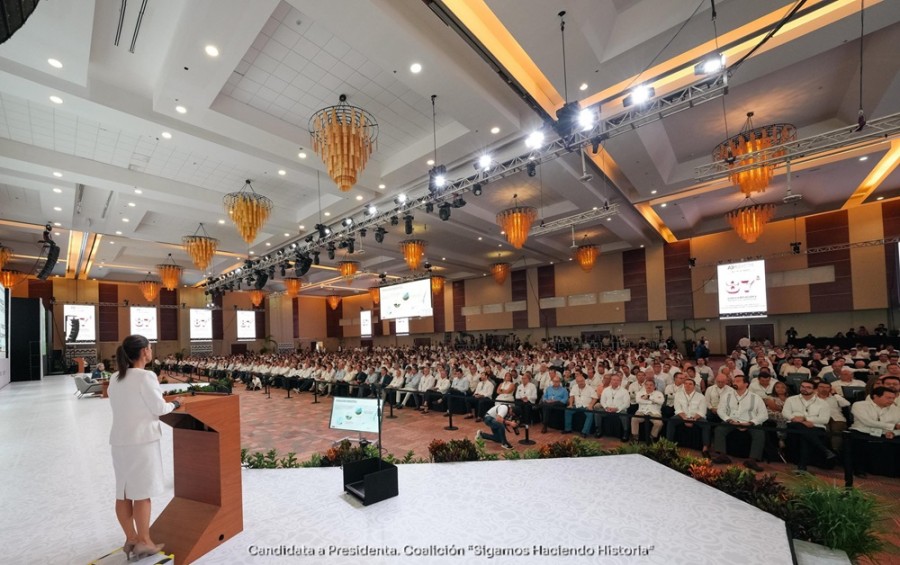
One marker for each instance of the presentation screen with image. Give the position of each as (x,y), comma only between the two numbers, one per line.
(742,290)
(86,316)
(201,324)
(406,300)
(143,322)
(355,414)
(246,324)
(365,323)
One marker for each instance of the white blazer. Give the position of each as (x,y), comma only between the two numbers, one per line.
(137,404)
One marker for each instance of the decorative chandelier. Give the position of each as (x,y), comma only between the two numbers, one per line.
(248,210)
(344,137)
(11,278)
(292,285)
(201,248)
(516,222)
(375,293)
(586,255)
(748,221)
(348,268)
(333,301)
(413,249)
(149,288)
(257,297)
(751,140)
(500,271)
(5,254)
(170,273)
(437,284)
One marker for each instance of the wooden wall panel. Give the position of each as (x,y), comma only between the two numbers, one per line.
(634,275)
(830,229)
(439,316)
(261,322)
(168,317)
(547,289)
(108,315)
(459,302)
(679,288)
(519,285)
(890,213)
(295,314)
(333,319)
(218,319)
(41,289)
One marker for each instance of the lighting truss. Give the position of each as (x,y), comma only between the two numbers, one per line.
(814,250)
(575,220)
(876,131)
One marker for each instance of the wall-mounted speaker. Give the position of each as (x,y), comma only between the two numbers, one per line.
(52,258)
(74,326)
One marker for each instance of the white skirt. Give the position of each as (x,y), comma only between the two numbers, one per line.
(139,471)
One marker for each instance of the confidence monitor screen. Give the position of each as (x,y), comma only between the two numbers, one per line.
(407,300)
(246,324)
(201,324)
(355,414)
(365,323)
(84,313)
(143,322)
(742,290)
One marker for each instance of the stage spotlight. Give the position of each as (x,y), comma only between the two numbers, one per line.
(531,168)
(444,211)
(484,162)
(371,210)
(400,199)
(395,220)
(429,208)
(408,224)
(379,234)
(347,222)
(308,239)
(351,246)
(586,119)
(330,249)
(476,189)
(459,202)
(363,232)
(535,140)
(427,265)
(639,95)
(303,263)
(710,65)
(437,178)
(315,257)
(795,247)
(323,231)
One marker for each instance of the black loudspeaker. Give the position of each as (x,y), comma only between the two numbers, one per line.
(261,280)
(52,257)
(74,326)
(13,14)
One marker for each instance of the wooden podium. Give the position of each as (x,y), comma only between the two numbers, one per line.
(207,508)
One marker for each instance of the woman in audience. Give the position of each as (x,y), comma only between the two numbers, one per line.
(507,389)
(775,405)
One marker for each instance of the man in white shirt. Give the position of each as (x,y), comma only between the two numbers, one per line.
(613,400)
(808,414)
(739,411)
(690,409)
(794,367)
(837,423)
(876,416)
(481,398)
(763,385)
(581,399)
(649,403)
(498,418)
(705,372)
(847,379)
(714,395)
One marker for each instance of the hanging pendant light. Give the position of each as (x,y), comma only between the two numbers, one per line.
(248,210)
(750,140)
(344,137)
(413,250)
(748,221)
(348,268)
(437,284)
(516,222)
(5,254)
(333,301)
(170,273)
(500,271)
(375,293)
(586,254)
(201,248)
(257,297)
(292,285)
(11,278)
(149,288)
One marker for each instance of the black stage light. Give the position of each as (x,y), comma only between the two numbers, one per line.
(315,257)
(692,262)
(531,168)
(283,270)
(427,265)
(476,190)
(330,249)
(379,234)
(308,239)
(795,247)
(459,202)
(351,245)
(444,212)
(408,224)
(362,232)
(322,230)
(395,220)
(429,208)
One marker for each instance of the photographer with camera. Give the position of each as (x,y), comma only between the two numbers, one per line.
(501,418)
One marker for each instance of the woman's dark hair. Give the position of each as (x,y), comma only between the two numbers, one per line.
(129,351)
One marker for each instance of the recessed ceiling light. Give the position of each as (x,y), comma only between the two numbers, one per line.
(302,155)
(57,190)
(118,232)
(302,227)
(287,234)
(138,191)
(253,253)
(268,244)
(652,192)
(56,99)
(54,63)
(282,172)
(502,232)
(415,68)
(57,174)
(880,198)
(57,224)
(499,245)
(327,213)
(126,220)
(551,262)
(57,208)
(131,204)
(609,219)
(221,221)
(570,258)
(382,186)
(596,207)
(479,238)
(663,205)
(642,246)
(443,258)
(181,109)
(212,50)
(429,162)
(111,242)
(495,130)
(584,86)
(56,233)
(359,197)
(864,158)
(166,135)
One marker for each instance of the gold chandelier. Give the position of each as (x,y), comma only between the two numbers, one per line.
(201,248)
(170,273)
(11,278)
(333,301)
(257,297)
(413,250)
(586,255)
(437,284)
(348,268)
(516,222)
(149,288)
(748,221)
(375,293)
(248,210)
(292,285)
(751,140)
(5,254)
(344,137)
(500,271)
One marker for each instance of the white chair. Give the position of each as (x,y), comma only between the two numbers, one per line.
(85,387)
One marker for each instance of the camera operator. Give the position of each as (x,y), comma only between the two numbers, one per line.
(500,418)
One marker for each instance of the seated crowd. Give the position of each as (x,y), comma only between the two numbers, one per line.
(785,402)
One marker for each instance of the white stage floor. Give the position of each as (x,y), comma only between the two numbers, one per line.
(58,500)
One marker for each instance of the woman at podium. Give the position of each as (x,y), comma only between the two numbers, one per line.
(137,404)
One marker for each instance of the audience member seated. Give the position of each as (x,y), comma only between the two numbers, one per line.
(837,422)
(690,410)
(763,385)
(848,378)
(715,395)
(738,412)
(434,396)
(649,408)
(482,398)
(554,397)
(526,398)
(808,414)
(875,417)
(581,399)
(615,399)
